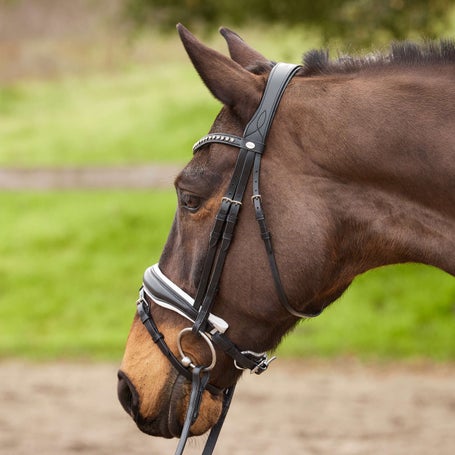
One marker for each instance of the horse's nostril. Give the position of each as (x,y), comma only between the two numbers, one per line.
(127,395)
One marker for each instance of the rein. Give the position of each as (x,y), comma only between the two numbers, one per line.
(162,291)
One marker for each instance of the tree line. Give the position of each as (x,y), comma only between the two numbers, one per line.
(360,22)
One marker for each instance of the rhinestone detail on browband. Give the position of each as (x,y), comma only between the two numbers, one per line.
(220,138)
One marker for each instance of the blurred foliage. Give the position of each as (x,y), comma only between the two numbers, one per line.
(360,22)
(128,117)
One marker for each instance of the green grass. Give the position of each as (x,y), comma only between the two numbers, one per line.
(72,263)
(138,115)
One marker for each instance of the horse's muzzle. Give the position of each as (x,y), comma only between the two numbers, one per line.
(164,425)
(127,395)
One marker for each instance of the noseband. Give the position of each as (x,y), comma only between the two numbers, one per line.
(162,291)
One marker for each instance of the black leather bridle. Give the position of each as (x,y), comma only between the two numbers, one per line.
(159,289)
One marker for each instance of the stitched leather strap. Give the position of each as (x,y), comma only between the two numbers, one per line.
(259,126)
(198,384)
(255,135)
(267,238)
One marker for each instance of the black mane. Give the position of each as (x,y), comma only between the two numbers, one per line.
(317,62)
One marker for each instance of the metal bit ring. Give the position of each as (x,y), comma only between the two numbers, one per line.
(186,361)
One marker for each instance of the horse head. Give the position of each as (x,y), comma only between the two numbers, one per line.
(150,389)
(312,173)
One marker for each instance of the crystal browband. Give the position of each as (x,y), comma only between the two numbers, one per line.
(229,139)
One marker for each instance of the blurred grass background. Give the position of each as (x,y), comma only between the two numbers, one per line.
(78,87)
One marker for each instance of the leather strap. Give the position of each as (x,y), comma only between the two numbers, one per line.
(198,384)
(254,138)
(216,429)
(258,127)
(267,238)
(216,269)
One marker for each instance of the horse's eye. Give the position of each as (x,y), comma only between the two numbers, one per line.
(190,202)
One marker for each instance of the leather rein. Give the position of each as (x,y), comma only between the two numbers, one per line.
(159,289)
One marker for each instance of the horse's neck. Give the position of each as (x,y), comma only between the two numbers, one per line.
(390,228)
(395,165)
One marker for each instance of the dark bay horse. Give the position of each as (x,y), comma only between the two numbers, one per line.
(358,172)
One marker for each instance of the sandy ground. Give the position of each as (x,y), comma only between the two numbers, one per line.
(296,407)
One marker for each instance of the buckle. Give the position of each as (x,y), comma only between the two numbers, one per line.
(261,359)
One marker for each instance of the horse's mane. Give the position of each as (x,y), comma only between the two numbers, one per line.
(317,62)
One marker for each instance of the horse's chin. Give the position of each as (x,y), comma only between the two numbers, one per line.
(170,420)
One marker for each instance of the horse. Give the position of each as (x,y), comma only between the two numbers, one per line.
(357,168)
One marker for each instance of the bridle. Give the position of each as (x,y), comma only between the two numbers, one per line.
(162,291)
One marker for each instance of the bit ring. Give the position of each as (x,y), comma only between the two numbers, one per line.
(186,361)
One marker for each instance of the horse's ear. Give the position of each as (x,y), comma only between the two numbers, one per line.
(228,81)
(240,52)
